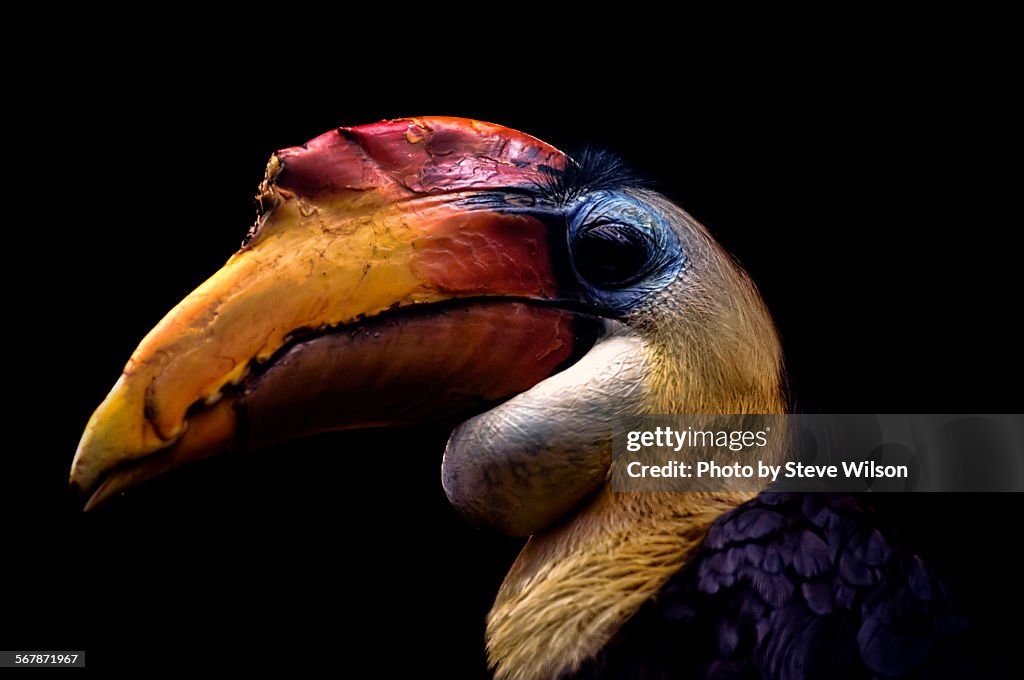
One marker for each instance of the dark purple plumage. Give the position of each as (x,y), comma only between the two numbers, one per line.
(795,587)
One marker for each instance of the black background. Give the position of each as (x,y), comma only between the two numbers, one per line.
(862,199)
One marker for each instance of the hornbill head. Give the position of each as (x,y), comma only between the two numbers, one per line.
(442,268)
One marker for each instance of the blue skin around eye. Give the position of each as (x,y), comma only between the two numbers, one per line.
(666,256)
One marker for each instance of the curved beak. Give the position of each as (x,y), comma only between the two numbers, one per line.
(400,272)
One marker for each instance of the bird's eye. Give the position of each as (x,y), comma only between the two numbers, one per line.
(610,254)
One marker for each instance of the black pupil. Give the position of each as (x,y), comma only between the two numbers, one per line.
(610,253)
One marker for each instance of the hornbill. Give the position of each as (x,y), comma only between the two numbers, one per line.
(438,268)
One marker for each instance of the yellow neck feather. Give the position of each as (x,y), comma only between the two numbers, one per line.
(573,586)
(711,348)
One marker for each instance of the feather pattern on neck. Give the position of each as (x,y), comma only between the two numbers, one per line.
(711,348)
(573,586)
